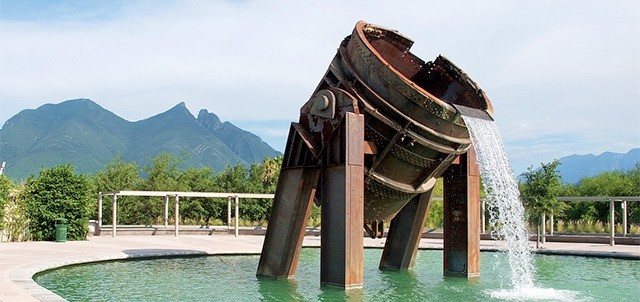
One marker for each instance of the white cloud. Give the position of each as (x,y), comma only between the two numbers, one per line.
(562,71)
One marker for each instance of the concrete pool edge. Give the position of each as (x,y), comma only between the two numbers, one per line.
(22,261)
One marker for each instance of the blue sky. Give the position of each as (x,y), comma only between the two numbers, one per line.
(563,77)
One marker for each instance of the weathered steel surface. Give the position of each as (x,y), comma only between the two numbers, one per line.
(290,211)
(462,217)
(342,254)
(405,232)
(408,108)
(408,131)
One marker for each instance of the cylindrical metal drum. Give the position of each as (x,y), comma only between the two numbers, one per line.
(409,117)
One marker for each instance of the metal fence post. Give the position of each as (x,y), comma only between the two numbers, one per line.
(544,227)
(99,212)
(229,212)
(551,224)
(612,221)
(177,214)
(237,214)
(114,215)
(166,211)
(625,214)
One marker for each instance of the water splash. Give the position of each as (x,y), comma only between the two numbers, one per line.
(506,213)
(537,294)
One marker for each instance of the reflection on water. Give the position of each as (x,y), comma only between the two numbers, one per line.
(232,278)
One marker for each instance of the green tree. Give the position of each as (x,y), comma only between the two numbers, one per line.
(58,193)
(233,179)
(236,180)
(162,175)
(118,176)
(611,183)
(199,180)
(436,210)
(264,176)
(540,189)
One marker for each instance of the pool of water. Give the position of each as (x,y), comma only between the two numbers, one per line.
(232,278)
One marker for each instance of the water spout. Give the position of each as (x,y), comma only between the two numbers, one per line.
(502,195)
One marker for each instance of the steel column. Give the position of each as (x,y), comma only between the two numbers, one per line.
(291,207)
(461,217)
(342,253)
(288,221)
(405,232)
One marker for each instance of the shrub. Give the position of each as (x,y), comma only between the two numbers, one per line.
(15,221)
(58,193)
(6,185)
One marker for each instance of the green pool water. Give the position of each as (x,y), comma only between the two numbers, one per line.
(232,278)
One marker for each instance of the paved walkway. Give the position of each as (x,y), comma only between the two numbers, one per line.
(20,261)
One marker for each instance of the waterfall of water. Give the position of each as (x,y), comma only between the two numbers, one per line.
(502,195)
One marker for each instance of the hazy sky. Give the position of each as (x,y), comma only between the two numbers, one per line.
(563,76)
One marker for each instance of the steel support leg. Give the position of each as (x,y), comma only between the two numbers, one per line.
(288,222)
(342,253)
(461,217)
(404,234)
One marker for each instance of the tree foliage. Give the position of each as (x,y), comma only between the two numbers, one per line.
(540,189)
(118,175)
(163,174)
(605,184)
(58,193)
(199,209)
(613,183)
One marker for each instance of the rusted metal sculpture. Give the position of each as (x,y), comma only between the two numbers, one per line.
(378,130)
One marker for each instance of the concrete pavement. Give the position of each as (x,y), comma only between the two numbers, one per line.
(19,261)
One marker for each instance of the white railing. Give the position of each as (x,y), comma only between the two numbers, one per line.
(612,214)
(236,197)
(176,195)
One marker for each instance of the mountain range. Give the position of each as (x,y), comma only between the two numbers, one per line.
(88,136)
(84,134)
(572,168)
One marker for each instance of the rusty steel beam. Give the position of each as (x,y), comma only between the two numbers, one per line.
(461,202)
(404,234)
(290,212)
(342,254)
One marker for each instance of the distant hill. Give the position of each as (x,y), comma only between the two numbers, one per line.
(88,136)
(572,168)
